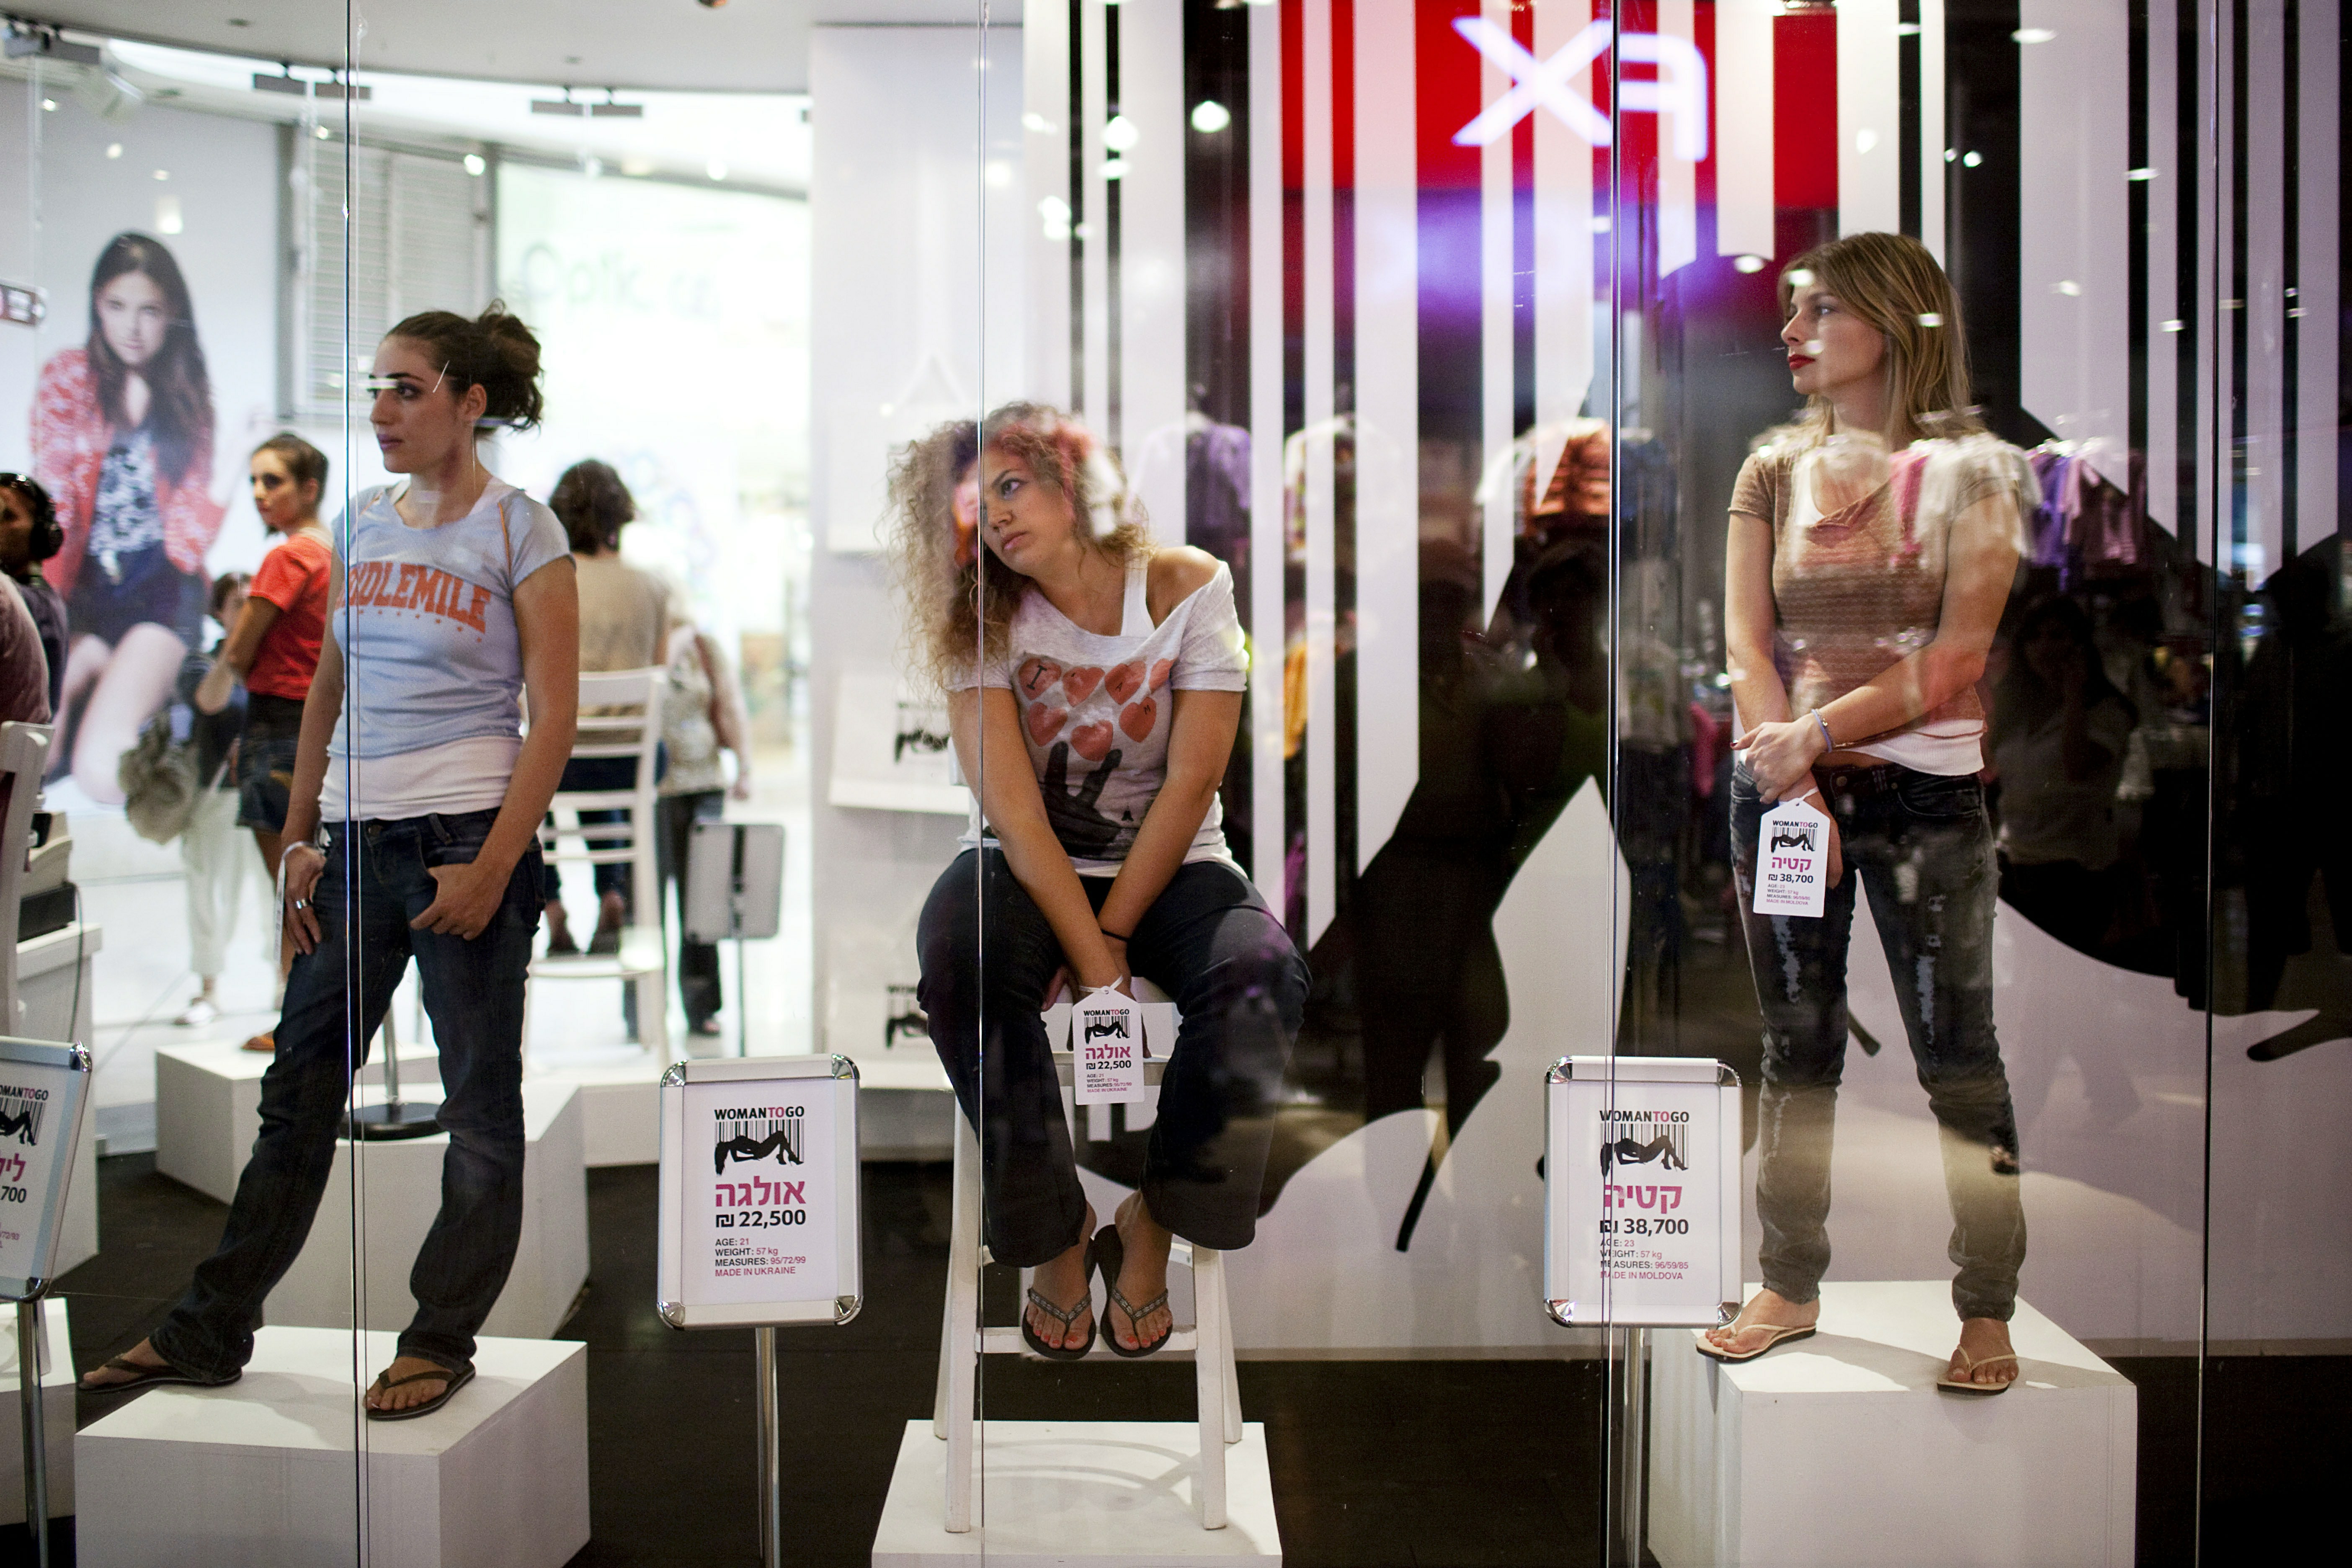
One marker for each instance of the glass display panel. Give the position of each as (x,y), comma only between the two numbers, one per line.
(168,502)
(1562,771)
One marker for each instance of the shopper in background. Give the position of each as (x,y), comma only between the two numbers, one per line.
(214,862)
(123,437)
(23,668)
(622,621)
(702,716)
(30,534)
(273,649)
(1106,675)
(455,596)
(1871,550)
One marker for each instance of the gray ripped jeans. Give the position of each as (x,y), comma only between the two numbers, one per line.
(1922,846)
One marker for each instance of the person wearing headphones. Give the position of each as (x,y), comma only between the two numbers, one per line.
(29,534)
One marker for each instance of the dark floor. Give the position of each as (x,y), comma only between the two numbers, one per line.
(1383,1465)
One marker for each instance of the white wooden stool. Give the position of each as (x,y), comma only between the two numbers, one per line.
(963,1340)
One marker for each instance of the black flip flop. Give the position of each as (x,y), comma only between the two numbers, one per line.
(1064,1315)
(146,1376)
(1112,1253)
(457,1381)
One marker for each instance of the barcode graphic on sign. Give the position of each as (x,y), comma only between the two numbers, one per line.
(21,1119)
(784,1138)
(745,1134)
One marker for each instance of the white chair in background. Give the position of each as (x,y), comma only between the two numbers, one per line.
(633,732)
(963,1340)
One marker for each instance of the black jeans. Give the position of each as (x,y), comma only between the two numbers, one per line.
(698,961)
(1210,943)
(1922,846)
(474,992)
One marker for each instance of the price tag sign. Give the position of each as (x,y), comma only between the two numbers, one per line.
(760,1191)
(41,1087)
(1106,1049)
(1793,861)
(1641,1191)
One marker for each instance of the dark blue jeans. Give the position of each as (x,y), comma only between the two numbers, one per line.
(378,878)
(1922,846)
(1209,942)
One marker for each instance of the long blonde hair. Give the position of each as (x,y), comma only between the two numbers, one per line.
(1896,284)
(955,610)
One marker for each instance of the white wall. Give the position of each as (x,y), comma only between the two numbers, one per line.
(899,297)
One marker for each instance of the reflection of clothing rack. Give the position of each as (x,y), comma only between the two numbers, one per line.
(2093,511)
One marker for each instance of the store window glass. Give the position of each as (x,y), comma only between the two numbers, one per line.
(176,559)
(1403,647)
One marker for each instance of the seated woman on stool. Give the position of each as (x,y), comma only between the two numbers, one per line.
(1095,685)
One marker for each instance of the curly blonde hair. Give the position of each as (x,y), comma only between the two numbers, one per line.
(958,610)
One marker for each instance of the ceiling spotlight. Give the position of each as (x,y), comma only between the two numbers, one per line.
(1121,135)
(1209,116)
(1747,263)
(475,165)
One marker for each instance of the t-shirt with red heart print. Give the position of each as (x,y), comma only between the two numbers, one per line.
(1095,710)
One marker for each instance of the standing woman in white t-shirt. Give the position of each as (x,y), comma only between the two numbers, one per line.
(1106,677)
(453,596)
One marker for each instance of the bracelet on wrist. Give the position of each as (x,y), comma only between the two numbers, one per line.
(1827,744)
(1115,936)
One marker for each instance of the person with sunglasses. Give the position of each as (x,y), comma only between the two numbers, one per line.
(453,597)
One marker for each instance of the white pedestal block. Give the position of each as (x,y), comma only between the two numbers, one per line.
(208,1107)
(402,1186)
(54,986)
(1074,1494)
(620,1097)
(57,1415)
(261,1473)
(1839,1451)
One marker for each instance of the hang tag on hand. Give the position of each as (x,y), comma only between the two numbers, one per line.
(1107,1048)
(1793,861)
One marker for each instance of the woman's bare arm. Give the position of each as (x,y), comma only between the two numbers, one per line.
(1014,807)
(236,656)
(547,623)
(1199,743)
(1750,621)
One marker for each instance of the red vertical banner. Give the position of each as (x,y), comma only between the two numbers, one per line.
(1805,113)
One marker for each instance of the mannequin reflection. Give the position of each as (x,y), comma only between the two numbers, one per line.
(1095,652)
(1512,721)
(1871,551)
(446,599)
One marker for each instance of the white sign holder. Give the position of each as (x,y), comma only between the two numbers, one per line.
(1641,1216)
(759,1215)
(42,1086)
